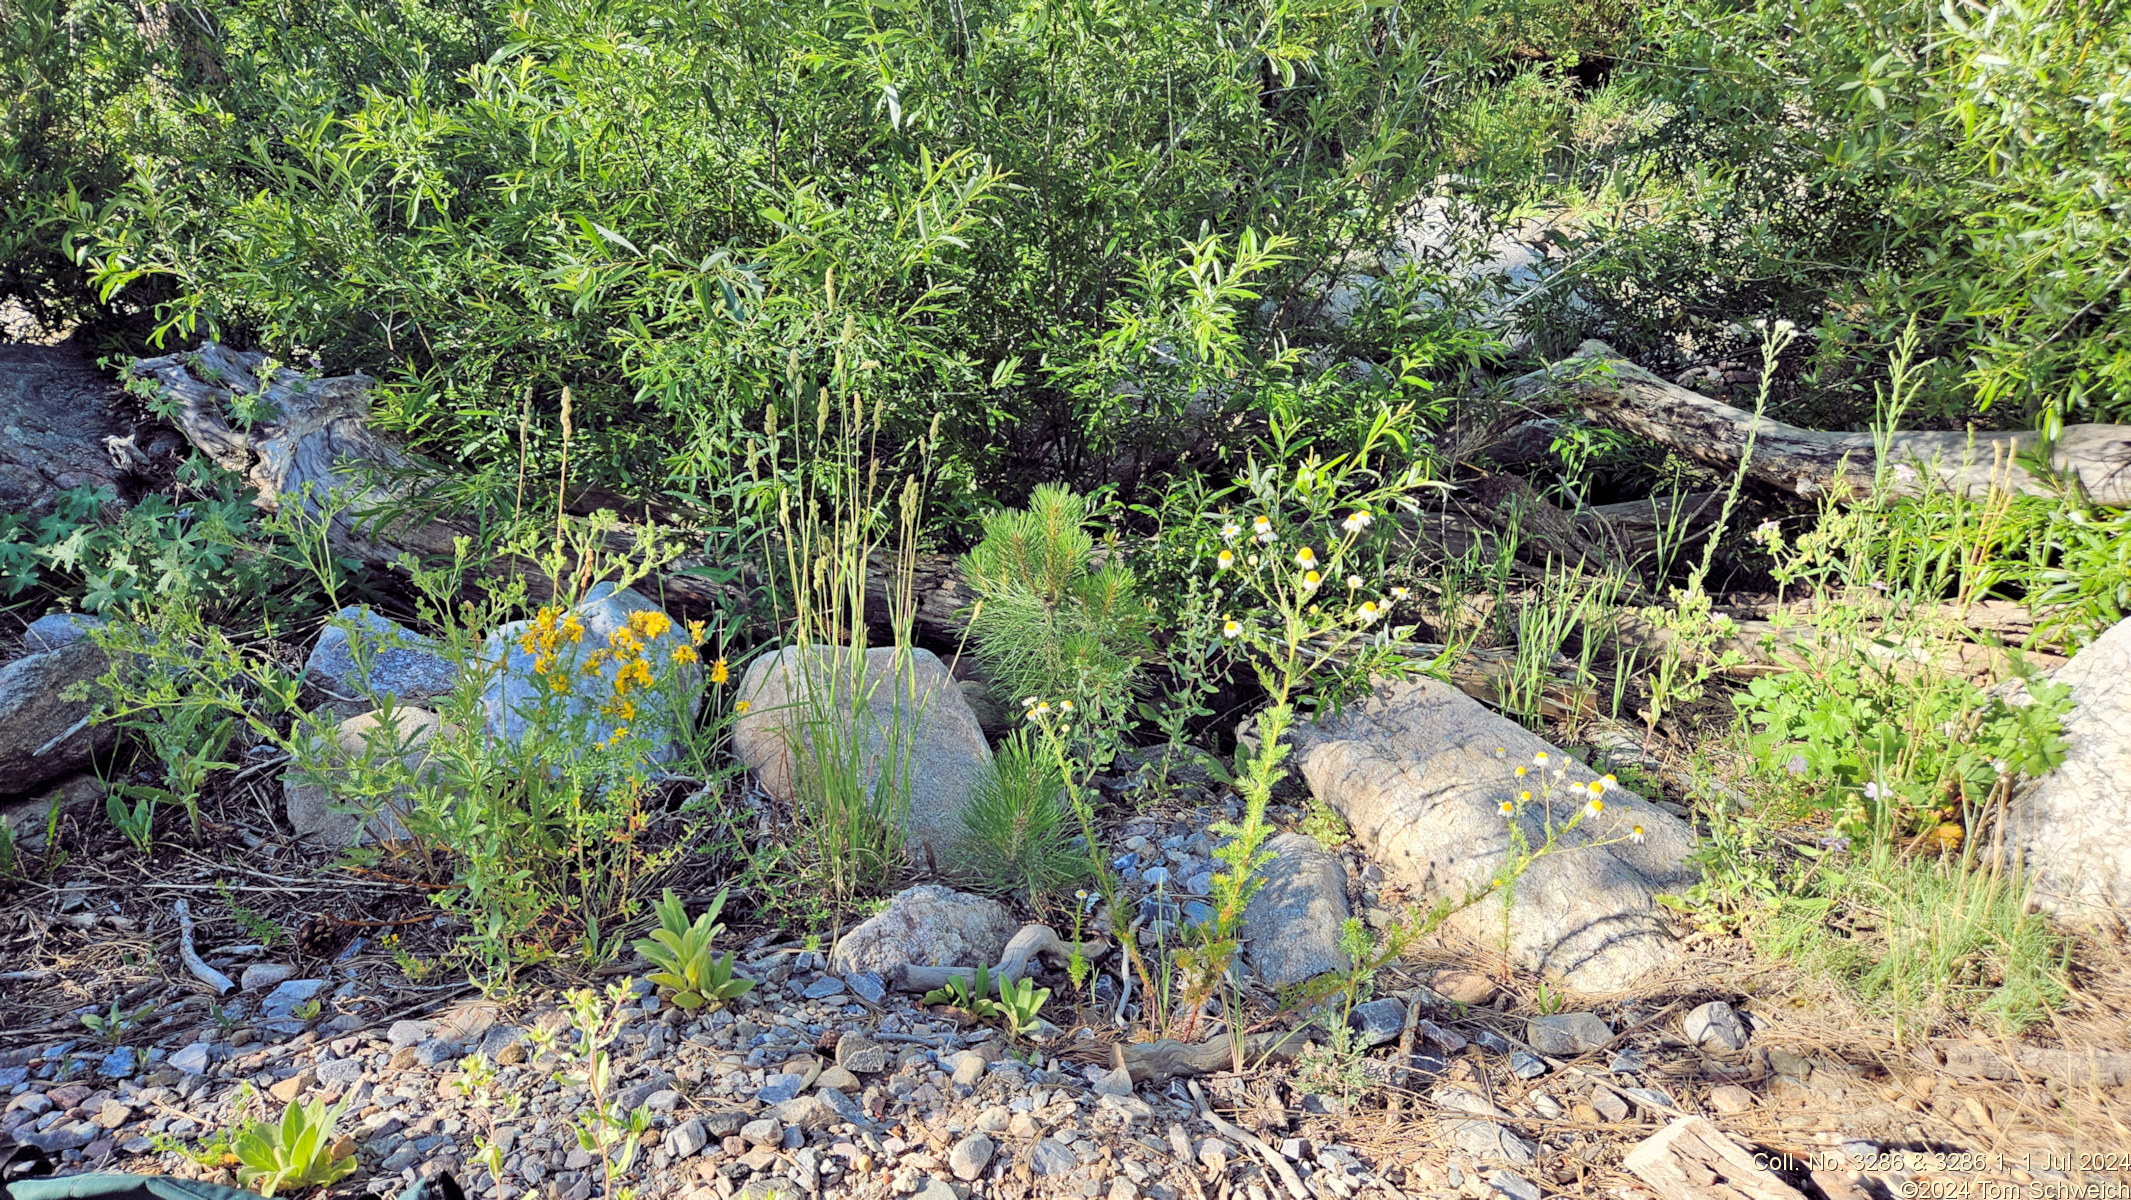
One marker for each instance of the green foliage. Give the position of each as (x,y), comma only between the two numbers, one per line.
(294,1153)
(113,1026)
(2083,586)
(1016,1001)
(210,547)
(1015,833)
(1887,750)
(682,953)
(1048,627)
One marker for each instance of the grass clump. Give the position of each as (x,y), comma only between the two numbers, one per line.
(1016,837)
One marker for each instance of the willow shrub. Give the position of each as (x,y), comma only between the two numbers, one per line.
(1049,222)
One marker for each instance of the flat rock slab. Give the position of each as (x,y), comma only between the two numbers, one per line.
(54,417)
(2071,825)
(1419,771)
(1292,925)
(904,698)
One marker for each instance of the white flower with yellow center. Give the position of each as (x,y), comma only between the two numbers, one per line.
(1305,557)
(1399,593)
(1368,612)
(1311,581)
(1353,583)
(1263,529)
(1231,628)
(1356,522)
(1595,807)
(1508,807)
(1224,560)
(1231,531)
(1540,758)
(1636,835)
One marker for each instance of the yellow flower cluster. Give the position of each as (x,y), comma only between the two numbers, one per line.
(544,637)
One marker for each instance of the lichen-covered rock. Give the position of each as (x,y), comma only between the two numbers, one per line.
(1419,771)
(310,803)
(904,699)
(1292,926)
(622,628)
(2070,827)
(42,733)
(929,926)
(53,630)
(361,657)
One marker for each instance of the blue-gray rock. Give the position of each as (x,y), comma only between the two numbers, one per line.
(1565,1035)
(1049,1156)
(397,662)
(824,987)
(1625,1062)
(1378,1021)
(893,695)
(860,1055)
(1428,1064)
(842,1107)
(1488,1039)
(1526,1066)
(53,630)
(282,1001)
(193,1059)
(264,975)
(1200,884)
(10,1076)
(118,1064)
(517,693)
(408,1033)
(683,1140)
(1513,1187)
(1155,877)
(436,1052)
(1292,927)
(1715,1026)
(340,1072)
(866,986)
(1490,1142)
(1197,912)
(776,1089)
(59,1138)
(630,1098)
(968,1157)
(1652,1099)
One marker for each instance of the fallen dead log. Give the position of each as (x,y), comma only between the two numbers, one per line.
(1168,1058)
(1026,946)
(314,441)
(1811,463)
(1691,1159)
(2105,1069)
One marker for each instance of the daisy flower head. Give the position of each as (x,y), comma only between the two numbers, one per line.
(1262,528)
(1231,628)
(1254,560)
(1594,808)
(1368,612)
(1636,835)
(1225,560)
(1399,593)
(1508,807)
(1353,583)
(1028,702)
(1525,796)
(1311,580)
(1231,531)
(1609,781)
(1596,788)
(1523,771)
(1305,557)
(1501,752)
(1042,710)
(1539,758)
(1356,522)
(1065,705)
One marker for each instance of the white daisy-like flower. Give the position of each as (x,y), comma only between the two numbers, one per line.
(1501,752)
(1595,807)
(1231,531)
(1636,835)
(1399,593)
(1066,705)
(1042,709)
(1311,581)
(1231,628)
(1540,758)
(1263,529)
(1596,788)
(1353,582)
(1305,557)
(1508,807)
(1356,522)
(1225,560)
(1609,781)
(1029,703)
(1368,612)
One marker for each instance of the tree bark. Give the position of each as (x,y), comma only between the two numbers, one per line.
(1692,1159)
(1810,463)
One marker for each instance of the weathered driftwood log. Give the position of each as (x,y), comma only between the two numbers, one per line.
(1032,941)
(1692,1159)
(2079,1068)
(1168,1058)
(1811,463)
(314,440)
